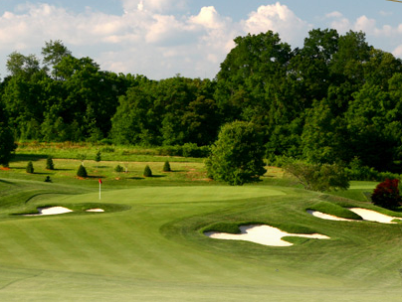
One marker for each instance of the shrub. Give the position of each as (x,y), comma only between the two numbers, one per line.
(357,171)
(98,157)
(82,172)
(318,177)
(386,194)
(118,169)
(47,179)
(30,168)
(147,171)
(187,150)
(49,163)
(166,167)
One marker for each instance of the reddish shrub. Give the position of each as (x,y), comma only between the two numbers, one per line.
(386,194)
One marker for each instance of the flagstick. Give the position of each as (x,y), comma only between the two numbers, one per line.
(100,190)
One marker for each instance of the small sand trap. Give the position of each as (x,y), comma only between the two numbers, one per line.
(95,210)
(371,215)
(327,216)
(262,234)
(50,211)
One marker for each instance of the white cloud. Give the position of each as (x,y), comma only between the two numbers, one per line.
(147,38)
(335,14)
(397,52)
(280,19)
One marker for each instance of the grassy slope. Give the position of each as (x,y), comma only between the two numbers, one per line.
(154,250)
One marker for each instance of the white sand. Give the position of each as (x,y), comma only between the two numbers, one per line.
(327,216)
(51,211)
(262,234)
(96,210)
(370,215)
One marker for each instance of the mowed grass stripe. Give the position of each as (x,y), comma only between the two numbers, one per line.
(27,247)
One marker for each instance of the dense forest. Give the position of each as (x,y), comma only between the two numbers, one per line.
(335,100)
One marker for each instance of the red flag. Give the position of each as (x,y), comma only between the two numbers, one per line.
(100,181)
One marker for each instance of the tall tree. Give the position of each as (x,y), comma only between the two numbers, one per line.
(237,155)
(54,52)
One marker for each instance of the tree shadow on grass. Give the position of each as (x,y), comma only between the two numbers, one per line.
(136,178)
(6,182)
(28,157)
(42,173)
(63,169)
(95,177)
(157,176)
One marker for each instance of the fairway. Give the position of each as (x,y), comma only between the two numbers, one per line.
(149,246)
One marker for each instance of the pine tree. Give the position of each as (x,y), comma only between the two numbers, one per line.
(98,157)
(82,172)
(30,168)
(147,171)
(166,167)
(49,163)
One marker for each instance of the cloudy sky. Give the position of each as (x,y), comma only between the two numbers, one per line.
(161,38)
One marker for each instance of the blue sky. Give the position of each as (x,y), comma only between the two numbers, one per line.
(161,38)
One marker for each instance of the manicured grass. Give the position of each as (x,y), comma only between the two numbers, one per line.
(149,244)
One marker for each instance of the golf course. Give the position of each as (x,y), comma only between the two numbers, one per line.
(149,241)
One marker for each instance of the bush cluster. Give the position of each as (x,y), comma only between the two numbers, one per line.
(386,194)
(318,177)
(187,150)
(118,169)
(357,171)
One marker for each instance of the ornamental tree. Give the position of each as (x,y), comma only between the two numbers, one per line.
(386,194)
(237,156)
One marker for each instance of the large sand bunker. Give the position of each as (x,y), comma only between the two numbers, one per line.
(371,215)
(262,234)
(366,214)
(327,216)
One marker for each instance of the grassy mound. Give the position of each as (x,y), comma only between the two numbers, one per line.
(333,209)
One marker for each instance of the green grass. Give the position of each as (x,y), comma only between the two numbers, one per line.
(333,209)
(149,244)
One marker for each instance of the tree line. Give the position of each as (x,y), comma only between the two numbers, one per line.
(337,99)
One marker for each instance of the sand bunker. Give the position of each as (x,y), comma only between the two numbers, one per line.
(262,234)
(327,216)
(50,211)
(371,215)
(95,210)
(368,215)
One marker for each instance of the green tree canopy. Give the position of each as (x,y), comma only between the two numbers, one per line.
(237,156)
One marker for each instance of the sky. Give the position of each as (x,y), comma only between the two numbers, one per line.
(163,38)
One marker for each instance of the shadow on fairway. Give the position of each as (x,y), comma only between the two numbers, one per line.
(6,182)
(157,176)
(137,178)
(31,157)
(95,177)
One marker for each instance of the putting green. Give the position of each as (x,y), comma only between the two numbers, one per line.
(155,250)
